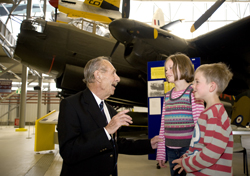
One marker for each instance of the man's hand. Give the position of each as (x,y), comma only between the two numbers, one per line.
(178,165)
(154,141)
(118,120)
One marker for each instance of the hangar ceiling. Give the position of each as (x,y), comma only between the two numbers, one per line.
(141,10)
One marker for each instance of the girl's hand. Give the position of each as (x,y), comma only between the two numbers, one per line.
(162,163)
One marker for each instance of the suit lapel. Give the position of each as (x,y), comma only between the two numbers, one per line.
(89,101)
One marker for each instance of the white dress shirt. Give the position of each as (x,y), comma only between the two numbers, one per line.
(106,112)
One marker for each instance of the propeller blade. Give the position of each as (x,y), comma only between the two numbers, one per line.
(116,45)
(206,15)
(125,8)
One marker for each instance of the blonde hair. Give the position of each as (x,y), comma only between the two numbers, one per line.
(184,65)
(218,73)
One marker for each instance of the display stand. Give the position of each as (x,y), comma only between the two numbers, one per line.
(45,135)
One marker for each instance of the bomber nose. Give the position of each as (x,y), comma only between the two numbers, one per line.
(119,30)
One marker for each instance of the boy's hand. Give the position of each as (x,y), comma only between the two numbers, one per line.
(178,165)
(184,155)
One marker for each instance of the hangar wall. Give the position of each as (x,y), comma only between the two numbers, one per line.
(9,108)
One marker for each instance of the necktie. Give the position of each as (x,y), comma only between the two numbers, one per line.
(102,110)
(112,139)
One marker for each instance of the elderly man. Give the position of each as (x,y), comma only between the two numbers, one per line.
(86,131)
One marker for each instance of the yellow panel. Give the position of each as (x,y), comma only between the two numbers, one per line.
(114,2)
(77,14)
(44,135)
(168,86)
(96,3)
(157,72)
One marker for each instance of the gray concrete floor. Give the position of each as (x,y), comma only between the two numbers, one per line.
(17,157)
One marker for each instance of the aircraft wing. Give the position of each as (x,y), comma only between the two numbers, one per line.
(103,11)
(229,44)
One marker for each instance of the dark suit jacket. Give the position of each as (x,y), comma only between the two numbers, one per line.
(83,143)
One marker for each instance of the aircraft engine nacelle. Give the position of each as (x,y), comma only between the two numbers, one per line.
(72,78)
(128,89)
(139,53)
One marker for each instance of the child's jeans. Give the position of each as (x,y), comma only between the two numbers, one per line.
(175,154)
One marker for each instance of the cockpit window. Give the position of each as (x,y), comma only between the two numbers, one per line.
(35,25)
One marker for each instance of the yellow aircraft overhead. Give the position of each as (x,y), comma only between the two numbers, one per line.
(103,11)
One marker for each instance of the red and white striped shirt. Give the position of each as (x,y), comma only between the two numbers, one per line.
(211,148)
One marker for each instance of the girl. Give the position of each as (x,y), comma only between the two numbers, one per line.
(180,111)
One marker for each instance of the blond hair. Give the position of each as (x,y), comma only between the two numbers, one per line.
(218,73)
(184,65)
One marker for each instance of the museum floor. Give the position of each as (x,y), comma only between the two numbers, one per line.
(19,159)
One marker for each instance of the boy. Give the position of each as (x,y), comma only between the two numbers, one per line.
(211,147)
